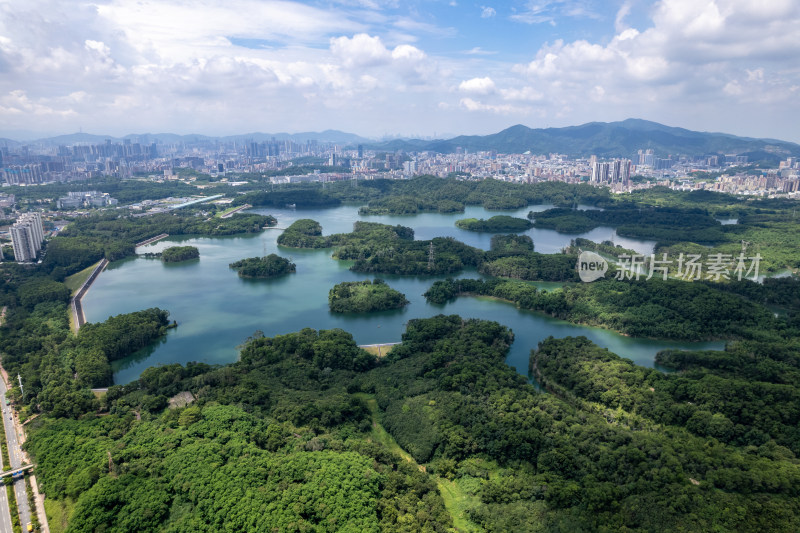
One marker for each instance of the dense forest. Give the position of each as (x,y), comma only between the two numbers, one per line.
(663,224)
(269,266)
(743,412)
(428,193)
(57,367)
(656,309)
(308,432)
(364,297)
(176,254)
(495,224)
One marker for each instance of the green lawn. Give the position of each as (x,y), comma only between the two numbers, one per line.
(457,501)
(75,281)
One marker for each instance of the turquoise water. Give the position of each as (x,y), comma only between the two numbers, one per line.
(217,311)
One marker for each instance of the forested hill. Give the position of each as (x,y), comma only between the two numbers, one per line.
(604,139)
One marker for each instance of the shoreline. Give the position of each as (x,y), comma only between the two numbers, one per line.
(75,303)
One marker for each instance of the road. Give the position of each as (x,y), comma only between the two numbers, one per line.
(5,514)
(15,454)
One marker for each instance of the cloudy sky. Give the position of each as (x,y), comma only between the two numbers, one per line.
(389,67)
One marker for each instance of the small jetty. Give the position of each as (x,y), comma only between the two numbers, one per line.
(151,240)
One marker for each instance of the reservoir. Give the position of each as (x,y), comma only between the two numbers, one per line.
(216,310)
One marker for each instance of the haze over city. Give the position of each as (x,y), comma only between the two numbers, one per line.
(376,68)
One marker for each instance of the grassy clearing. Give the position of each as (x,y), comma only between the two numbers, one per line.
(457,502)
(379,434)
(58,512)
(75,281)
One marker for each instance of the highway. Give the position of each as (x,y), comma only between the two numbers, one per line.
(5,514)
(15,454)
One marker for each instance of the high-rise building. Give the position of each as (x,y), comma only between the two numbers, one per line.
(22,175)
(625,171)
(600,173)
(616,166)
(617,171)
(646,158)
(27,235)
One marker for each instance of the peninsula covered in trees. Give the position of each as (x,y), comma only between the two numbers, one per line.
(108,235)
(269,266)
(364,296)
(654,308)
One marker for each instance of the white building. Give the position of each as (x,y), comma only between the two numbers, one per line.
(27,235)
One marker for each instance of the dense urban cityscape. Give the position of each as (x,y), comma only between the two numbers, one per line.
(25,165)
(233,162)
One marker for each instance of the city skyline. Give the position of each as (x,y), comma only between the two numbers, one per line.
(382,68)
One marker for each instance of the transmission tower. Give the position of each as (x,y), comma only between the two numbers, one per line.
(431,256)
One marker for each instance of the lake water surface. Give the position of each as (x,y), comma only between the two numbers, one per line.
(216,310)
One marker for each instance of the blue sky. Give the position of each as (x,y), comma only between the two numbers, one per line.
(390,67)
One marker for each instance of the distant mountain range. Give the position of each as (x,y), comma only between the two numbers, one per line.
(604,139)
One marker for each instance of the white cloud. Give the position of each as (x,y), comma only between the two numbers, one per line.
(487,12)
(694,47)
(483,85)
(619,20)
(698,56)
(549,11)
(524,94)
(755,75)
(18,103)
(473,105)
(478,51)
(361,50)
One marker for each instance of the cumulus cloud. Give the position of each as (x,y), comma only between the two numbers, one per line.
(477,86)
(487,12)
(361,50)
(693,50)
